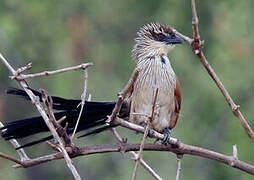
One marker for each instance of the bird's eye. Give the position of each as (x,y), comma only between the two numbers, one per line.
(160,36)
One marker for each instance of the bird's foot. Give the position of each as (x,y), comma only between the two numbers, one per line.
(150,131)
(167,135)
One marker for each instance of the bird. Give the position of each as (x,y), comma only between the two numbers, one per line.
(156,76)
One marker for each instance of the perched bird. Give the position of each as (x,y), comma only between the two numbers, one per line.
(153,43)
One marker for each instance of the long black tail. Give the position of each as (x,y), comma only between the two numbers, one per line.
(93,117)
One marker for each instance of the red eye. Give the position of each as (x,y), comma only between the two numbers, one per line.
(160,36)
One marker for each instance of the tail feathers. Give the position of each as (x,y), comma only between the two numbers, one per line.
(26,127)
(62,103)
(23,128)
(70,130)
(58,102)
(93,117)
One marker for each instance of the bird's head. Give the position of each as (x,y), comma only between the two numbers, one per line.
(154,40)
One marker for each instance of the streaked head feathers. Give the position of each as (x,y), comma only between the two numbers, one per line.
(154,40)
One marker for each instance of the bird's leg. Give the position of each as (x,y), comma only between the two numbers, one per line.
(167,134)
(150,132)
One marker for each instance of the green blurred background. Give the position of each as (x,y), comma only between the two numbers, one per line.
(56,34)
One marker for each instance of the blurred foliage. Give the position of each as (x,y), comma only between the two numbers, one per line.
(56,34)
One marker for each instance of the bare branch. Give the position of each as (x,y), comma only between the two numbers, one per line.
(197,45)
(152,133)
(134,155)
(197,49)
(49,73)
(23,156)
(83,100)
(36,102)
(196,35)
(11,158)
(122,95)
(52,123)
(179,166)
(148,126)
(180,149)
(22,69)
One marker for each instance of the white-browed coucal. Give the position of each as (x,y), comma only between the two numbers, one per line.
(153,43)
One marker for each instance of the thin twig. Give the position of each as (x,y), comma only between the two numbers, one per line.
(22,69)
(121,96)
(49,73)
(196,35)
(135,155)
(22,154)
(20,162)
(152,133)
(148,126)
(37,104)
(197,44)
(14,142)
(179,166)
(50,123)
(197,49)
(83,100)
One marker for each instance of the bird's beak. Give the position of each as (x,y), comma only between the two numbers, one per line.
(173,40)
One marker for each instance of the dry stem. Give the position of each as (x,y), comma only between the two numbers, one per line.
(197,45)
(122,95)
(52,123)
(83,100)
(36,102)
(180,149)
(179,166)
(148,126)
(49,73)
(135,156)
(197,49)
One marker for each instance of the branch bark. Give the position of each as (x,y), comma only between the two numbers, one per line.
(82,104)
(181,149)
(197,45)
(50,121)
(147,128)
(122,95)
(135,155)
(179,166)
(39,107)
(46,73)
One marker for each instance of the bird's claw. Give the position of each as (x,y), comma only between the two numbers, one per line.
(150,133)
(167,135)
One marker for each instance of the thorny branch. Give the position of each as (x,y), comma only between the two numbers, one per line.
(20,76)
(147,128)
(179,165)
(197,45)
(180,149)
(135,155)
(82,104)
(197,48)
(122,95)
(39,107)
(52,125)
